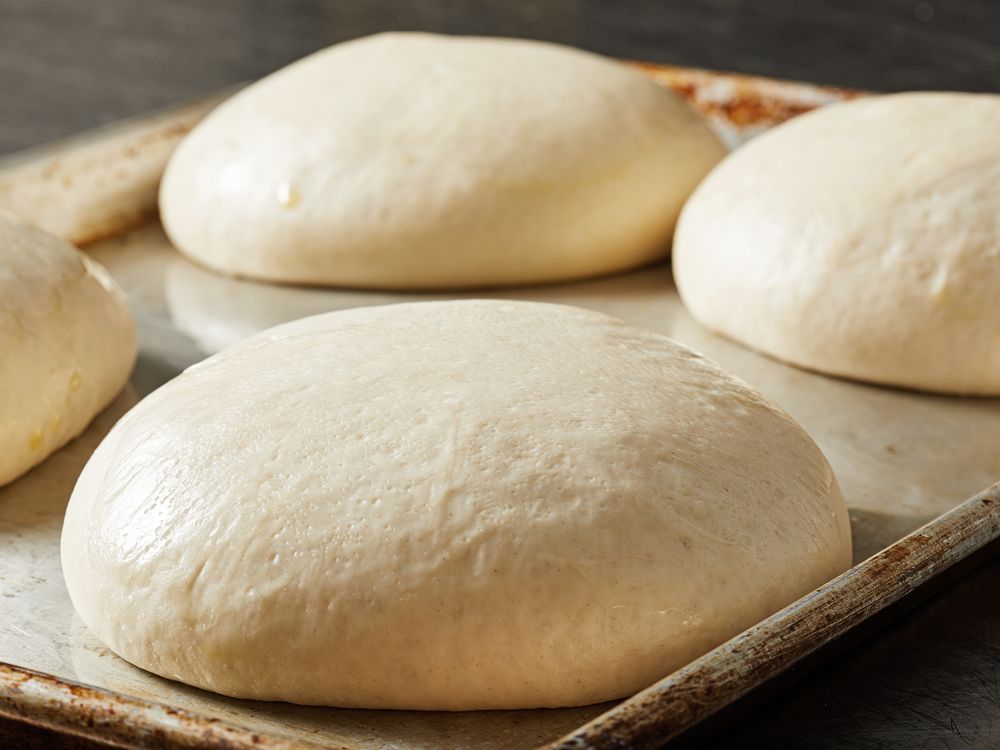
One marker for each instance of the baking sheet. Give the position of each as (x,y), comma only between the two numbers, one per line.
(901,458)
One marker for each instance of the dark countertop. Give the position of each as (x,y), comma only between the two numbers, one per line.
(929,680)
(66,66)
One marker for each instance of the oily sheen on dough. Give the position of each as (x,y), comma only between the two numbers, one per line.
(861,240)
(446,505)
(422,161)
(67,344)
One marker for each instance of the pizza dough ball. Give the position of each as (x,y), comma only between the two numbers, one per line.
(67,344)
(446,505)
(424,161)
(860,240)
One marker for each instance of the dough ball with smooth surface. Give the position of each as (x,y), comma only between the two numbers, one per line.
(67,344)
(446,505)
(421,161)
(860,240)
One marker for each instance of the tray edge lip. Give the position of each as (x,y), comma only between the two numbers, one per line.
(72,708)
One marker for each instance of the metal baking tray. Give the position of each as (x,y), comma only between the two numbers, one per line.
(910,466)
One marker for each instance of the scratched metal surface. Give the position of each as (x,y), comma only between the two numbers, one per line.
(902,458)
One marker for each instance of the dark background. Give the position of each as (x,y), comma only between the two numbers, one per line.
(66,65)
(932,679)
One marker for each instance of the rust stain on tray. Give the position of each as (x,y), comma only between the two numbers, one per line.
(49,704)
(746,101)
(101,185)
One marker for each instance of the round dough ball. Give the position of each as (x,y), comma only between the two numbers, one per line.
(422,161)
(446,505)
(67,345)
(860,240)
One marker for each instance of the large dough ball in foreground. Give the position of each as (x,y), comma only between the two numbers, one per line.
(861,240)
(419,161)
(446,505)
(67,345)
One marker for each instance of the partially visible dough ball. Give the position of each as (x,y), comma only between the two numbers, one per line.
(860,240)
(446,505)
(67,344)
(423,161)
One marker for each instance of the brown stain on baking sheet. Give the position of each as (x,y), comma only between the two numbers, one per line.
(169,132)
(53,708)
(748,100)
(53,172)
(106,179)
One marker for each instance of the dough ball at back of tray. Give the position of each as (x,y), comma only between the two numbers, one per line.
(424,161)
(860,240)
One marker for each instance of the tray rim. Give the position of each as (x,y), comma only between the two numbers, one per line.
(648,719)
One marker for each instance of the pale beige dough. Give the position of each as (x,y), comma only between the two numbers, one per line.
(861,240)
(67,344)
(446,505)
(422,161)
